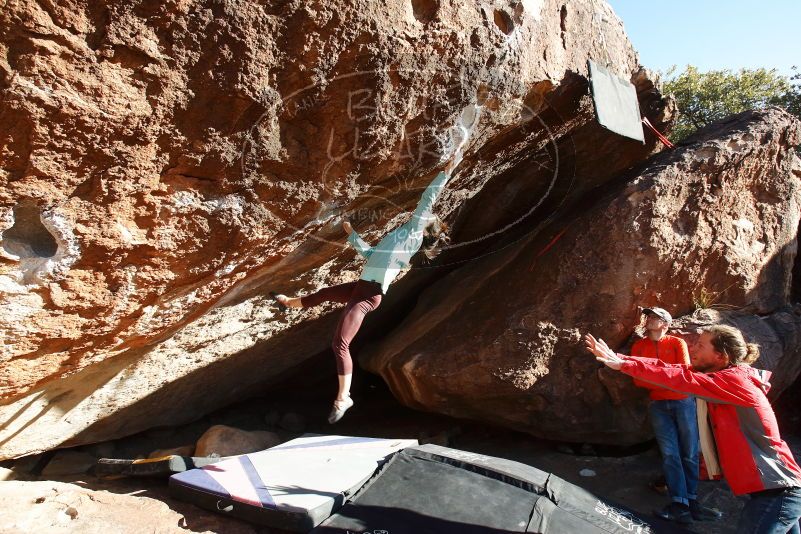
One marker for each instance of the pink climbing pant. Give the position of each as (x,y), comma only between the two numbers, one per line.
(361,297)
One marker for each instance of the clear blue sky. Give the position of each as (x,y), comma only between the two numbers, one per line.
(714,34)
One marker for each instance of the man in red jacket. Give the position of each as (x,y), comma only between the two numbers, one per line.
(754,459)
(673,418)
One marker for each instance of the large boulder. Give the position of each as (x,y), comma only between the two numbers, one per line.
(498,339)
(166,164)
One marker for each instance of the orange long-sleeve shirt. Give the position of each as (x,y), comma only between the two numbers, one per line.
(669,349)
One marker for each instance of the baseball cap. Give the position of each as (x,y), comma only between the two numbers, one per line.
(659,312)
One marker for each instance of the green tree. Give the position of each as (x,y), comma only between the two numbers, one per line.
(791,100)
(704,97)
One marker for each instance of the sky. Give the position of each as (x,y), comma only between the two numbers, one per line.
(714,34)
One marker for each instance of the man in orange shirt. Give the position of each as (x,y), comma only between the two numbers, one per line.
(673,418)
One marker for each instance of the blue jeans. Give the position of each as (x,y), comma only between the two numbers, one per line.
(676,431)
(771,512)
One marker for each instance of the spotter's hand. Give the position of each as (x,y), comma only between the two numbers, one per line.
(602,352)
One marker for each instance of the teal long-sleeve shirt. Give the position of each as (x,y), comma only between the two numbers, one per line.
(394,252)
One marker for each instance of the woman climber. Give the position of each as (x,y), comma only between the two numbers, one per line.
(384,262)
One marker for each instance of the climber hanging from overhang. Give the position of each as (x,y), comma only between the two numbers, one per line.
(384,262)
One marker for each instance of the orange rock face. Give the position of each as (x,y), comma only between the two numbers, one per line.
(712,223)
(165,164)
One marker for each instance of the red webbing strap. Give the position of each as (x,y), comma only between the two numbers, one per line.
(665,140)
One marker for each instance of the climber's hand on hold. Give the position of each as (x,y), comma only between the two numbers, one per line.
(347,226)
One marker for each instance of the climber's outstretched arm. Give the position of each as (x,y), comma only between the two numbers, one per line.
(423,214)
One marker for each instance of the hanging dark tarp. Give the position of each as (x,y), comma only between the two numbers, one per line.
(616,103)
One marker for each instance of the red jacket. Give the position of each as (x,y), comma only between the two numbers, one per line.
(669,349)
(752,455)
